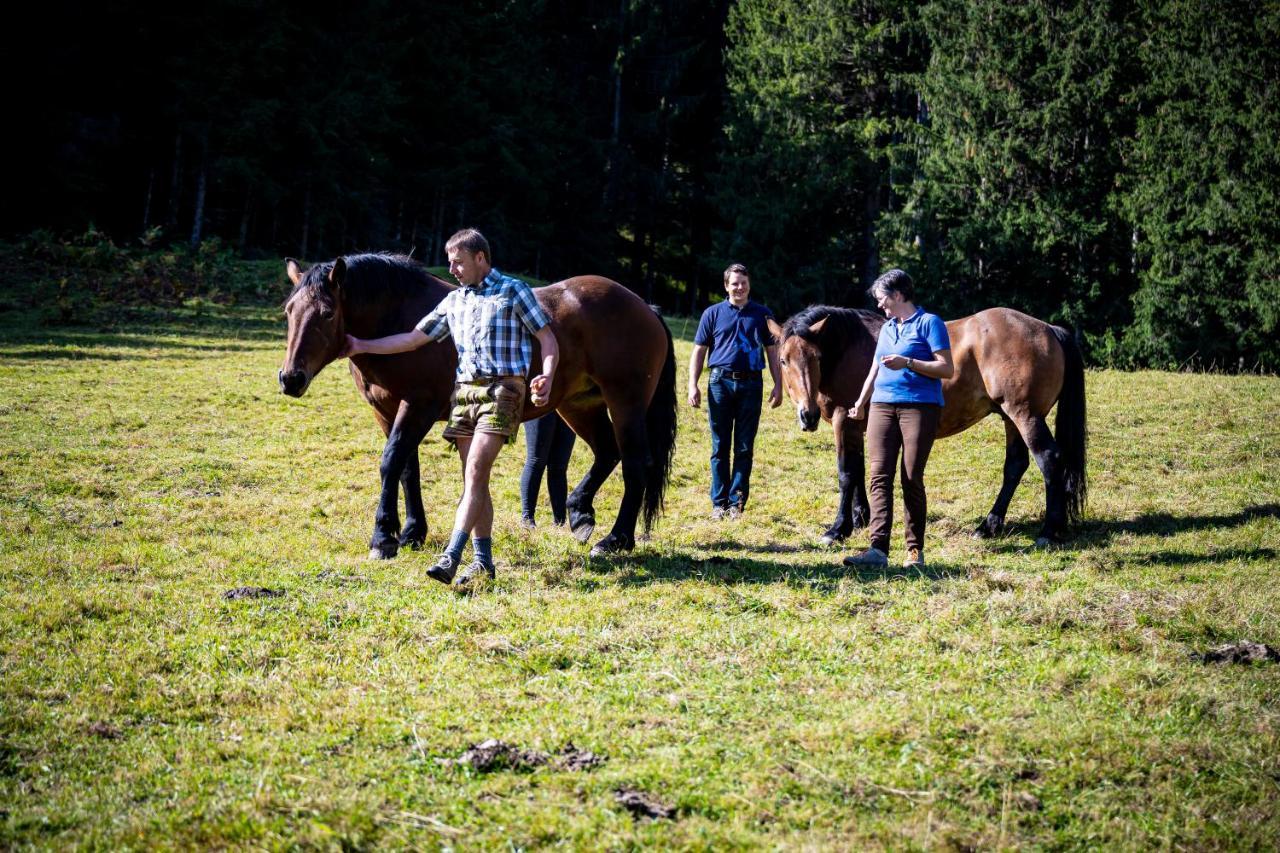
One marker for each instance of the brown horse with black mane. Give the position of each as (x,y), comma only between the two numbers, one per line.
(1006,363)
(615,382)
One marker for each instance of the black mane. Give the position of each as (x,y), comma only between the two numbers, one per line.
(845,322)
(372,277)
(844,326)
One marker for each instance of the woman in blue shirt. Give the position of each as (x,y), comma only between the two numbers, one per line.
(904,390)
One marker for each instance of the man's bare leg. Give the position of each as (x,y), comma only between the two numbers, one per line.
(475,510)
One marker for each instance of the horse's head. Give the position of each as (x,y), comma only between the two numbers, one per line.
(801,361)
(317,331)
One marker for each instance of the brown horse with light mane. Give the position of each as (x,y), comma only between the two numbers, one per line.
(1006,363)
(615,382)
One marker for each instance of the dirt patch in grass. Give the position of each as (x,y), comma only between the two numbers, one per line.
(251,592)
(1244,651)
(497,755)
(642,805)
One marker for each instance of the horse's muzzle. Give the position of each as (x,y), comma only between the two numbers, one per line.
(808,418)
(294,383)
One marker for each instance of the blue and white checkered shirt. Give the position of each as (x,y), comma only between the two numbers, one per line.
(492,325)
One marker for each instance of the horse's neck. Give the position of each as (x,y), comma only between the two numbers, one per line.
(393,313)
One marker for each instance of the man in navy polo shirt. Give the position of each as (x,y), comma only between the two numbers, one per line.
(734,331)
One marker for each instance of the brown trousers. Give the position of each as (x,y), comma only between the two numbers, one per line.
(911,429)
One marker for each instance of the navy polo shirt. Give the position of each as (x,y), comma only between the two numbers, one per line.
(919,337)
(735,335)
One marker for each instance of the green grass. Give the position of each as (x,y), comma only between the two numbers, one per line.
(1005,697)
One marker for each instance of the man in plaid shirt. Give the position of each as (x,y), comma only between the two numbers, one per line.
(493,319)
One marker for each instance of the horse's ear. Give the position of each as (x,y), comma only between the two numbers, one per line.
(338,274)
(816,328)
(775,330)
(293,270)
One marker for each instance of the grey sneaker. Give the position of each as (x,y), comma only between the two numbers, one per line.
(475,572)
(719,512)
(443,570)
(915,559)
(873,557)
(734,513)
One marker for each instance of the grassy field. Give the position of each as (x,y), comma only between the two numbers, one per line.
(1006,697)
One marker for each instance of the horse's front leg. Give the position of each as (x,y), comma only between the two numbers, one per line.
(853,511)
(414,532)
(401,446)
(1044,450)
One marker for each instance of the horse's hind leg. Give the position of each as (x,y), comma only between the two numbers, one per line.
(1016,462)
(593,426)
(634,443)
(1044,449)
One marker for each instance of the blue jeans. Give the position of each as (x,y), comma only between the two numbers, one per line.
(733,408)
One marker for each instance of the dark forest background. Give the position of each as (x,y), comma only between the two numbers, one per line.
(1110,165)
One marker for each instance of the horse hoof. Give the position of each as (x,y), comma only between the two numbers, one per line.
(1043,542)
(382,553)
(609,545)
(413,544)
(582,531)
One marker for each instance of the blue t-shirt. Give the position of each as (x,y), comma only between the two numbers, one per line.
(919,337)
(735,335)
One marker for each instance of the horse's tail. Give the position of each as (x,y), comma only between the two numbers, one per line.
(1072,425)
(660,424)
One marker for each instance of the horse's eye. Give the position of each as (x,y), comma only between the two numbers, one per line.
(326,314)
(782,361)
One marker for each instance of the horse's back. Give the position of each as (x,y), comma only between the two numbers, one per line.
(608,337)
(606,321)
(1015,357)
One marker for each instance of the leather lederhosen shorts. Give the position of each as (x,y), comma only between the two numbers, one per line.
(486,404)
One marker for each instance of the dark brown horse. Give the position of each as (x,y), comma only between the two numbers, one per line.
(1006,363)
(615,383)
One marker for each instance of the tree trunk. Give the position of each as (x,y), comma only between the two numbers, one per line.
(614,164)
(146,205)
(245,216)
(175,182)
(202,183)
(306,222)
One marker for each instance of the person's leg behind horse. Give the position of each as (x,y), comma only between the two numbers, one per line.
(538,436)
(720,415)
(919,428)
(558,468)
(746,422)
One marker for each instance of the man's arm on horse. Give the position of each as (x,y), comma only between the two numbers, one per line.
(389,345)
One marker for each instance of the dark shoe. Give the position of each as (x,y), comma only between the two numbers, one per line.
(734,513)
(870,557)
(719,512)
(528,523)
(475,572)
(443,570)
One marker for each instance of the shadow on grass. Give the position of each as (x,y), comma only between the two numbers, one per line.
(1183,558)
(1101,531)
(89,351)
(1098,532)
(129,326)
(824,572)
